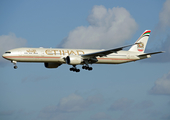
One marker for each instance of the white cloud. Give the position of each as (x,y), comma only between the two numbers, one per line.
(72,103)
(144,104)
(8,42)
(76,103)
(7,113)
(108,28)
(101,116)
(161,35)
(69,106)
(164,16)
(121,104)
(162,86)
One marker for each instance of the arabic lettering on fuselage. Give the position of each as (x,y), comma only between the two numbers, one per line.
(31,51)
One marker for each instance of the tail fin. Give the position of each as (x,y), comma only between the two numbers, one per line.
(142,40)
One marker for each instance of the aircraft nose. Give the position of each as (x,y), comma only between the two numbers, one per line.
(3,55)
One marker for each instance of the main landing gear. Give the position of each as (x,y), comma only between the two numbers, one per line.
(74,69)
(15,66)
(87,68)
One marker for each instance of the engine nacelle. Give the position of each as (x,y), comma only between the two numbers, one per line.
(73,60)
(51,65)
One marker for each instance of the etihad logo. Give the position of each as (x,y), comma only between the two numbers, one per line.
(140,47)
(31,51)
(64,52)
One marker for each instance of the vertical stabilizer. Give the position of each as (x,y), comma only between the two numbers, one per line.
(142,40)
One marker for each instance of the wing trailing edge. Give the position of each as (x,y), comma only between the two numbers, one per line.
(105,52)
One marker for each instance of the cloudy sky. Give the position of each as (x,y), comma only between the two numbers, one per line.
(130,91)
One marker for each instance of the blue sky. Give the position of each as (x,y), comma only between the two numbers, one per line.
(137,90)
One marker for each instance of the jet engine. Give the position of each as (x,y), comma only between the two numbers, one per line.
(52,64)
(73,60)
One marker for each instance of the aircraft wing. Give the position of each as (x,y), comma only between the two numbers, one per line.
(150,53)
(104,52)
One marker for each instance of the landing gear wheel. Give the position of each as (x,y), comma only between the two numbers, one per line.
(87,67)
(90,68)
(74,69)
(77,70)
(15,67)
(83,67)
(71,69)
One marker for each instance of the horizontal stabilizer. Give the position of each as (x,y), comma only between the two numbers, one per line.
(150,53)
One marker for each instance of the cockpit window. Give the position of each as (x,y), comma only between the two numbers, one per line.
(8,52)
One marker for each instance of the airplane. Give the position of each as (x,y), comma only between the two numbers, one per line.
(54,57)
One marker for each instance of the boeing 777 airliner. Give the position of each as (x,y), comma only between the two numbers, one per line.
(52,58)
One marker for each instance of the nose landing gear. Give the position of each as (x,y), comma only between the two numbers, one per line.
(15,66)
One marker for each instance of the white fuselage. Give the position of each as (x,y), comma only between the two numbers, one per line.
(58,55)
(54,57)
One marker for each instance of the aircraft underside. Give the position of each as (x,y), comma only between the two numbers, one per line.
(54,62)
